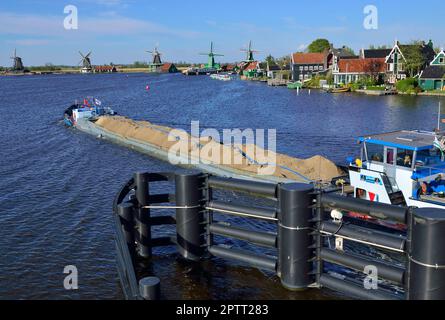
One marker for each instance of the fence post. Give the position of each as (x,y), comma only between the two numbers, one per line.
(126,214)
(427,255)
(294,235)
(190,224)
(143,215)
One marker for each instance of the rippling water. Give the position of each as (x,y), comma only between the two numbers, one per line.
(57,185)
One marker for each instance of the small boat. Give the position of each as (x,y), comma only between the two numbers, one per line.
(221,77)
(339,90)
(295,85)
(89,109)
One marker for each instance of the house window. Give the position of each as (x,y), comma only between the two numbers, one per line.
(301,77)
(311,68)
(301,68)
(400,67)
(442,60)
(306,68)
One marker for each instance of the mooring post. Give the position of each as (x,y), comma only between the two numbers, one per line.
(427,255)
(190,222)
(126,214)
(143,215)
(150,288)
(294,235)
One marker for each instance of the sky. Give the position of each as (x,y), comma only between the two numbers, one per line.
(120,31)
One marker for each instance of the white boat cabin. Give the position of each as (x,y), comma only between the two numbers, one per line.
(401,168)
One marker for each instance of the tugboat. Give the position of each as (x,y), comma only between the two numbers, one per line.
(401,168)
(89,109)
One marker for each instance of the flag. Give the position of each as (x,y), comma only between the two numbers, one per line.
(439,144)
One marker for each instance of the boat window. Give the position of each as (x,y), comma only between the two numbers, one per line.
(375,152)
(405,158)
(390,156)
(428,157)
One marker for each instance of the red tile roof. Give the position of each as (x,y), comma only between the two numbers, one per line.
(252,66)
(166,67)
(362,65)
(309,58)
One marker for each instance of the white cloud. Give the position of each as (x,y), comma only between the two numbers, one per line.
(30,42)
(111,24)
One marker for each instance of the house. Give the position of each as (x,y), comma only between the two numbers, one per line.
(352,70)
(396,59)
(251,69)
(228,68)
(272,70)
(168,68)
(433,76)
(305,65)
(335,55)
(105,69)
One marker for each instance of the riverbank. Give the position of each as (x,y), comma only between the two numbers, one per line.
(75,71)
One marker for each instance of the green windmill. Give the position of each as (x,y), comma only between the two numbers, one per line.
(211,63)
(249,51)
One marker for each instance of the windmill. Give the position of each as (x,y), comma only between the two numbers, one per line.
(18,63)
(211,62)
(86,63)
(249,52)
(156,57)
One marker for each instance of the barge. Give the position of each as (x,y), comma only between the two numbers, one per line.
(154,141)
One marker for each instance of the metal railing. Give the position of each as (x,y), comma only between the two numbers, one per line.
(304,219)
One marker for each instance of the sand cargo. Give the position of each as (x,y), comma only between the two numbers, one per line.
(154,140)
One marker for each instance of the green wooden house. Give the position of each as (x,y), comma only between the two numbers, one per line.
(433,77)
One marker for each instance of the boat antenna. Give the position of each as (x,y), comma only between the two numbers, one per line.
(439,117)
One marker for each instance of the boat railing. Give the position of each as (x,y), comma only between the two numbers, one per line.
(421,172)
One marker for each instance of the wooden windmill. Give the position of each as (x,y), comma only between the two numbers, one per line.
(249,52)
(156,57)
(87,67)
(18,63)
(156,63)
(211,62)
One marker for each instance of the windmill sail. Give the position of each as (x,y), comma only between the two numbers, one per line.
(157,61)
(249,52)
(211,61)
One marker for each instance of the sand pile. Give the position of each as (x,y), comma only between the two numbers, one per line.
(248,158)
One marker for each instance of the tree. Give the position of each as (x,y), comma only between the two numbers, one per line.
(283,61)
(319,45)
(349,50)
(415,59)
(270,60)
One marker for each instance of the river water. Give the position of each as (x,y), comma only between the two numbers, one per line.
(57,185)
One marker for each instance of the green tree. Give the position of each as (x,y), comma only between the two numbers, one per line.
(349,51)
(414,59)
(283,61)
(319,45)
(270,60)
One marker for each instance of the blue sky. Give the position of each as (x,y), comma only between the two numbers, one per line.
(120,31)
